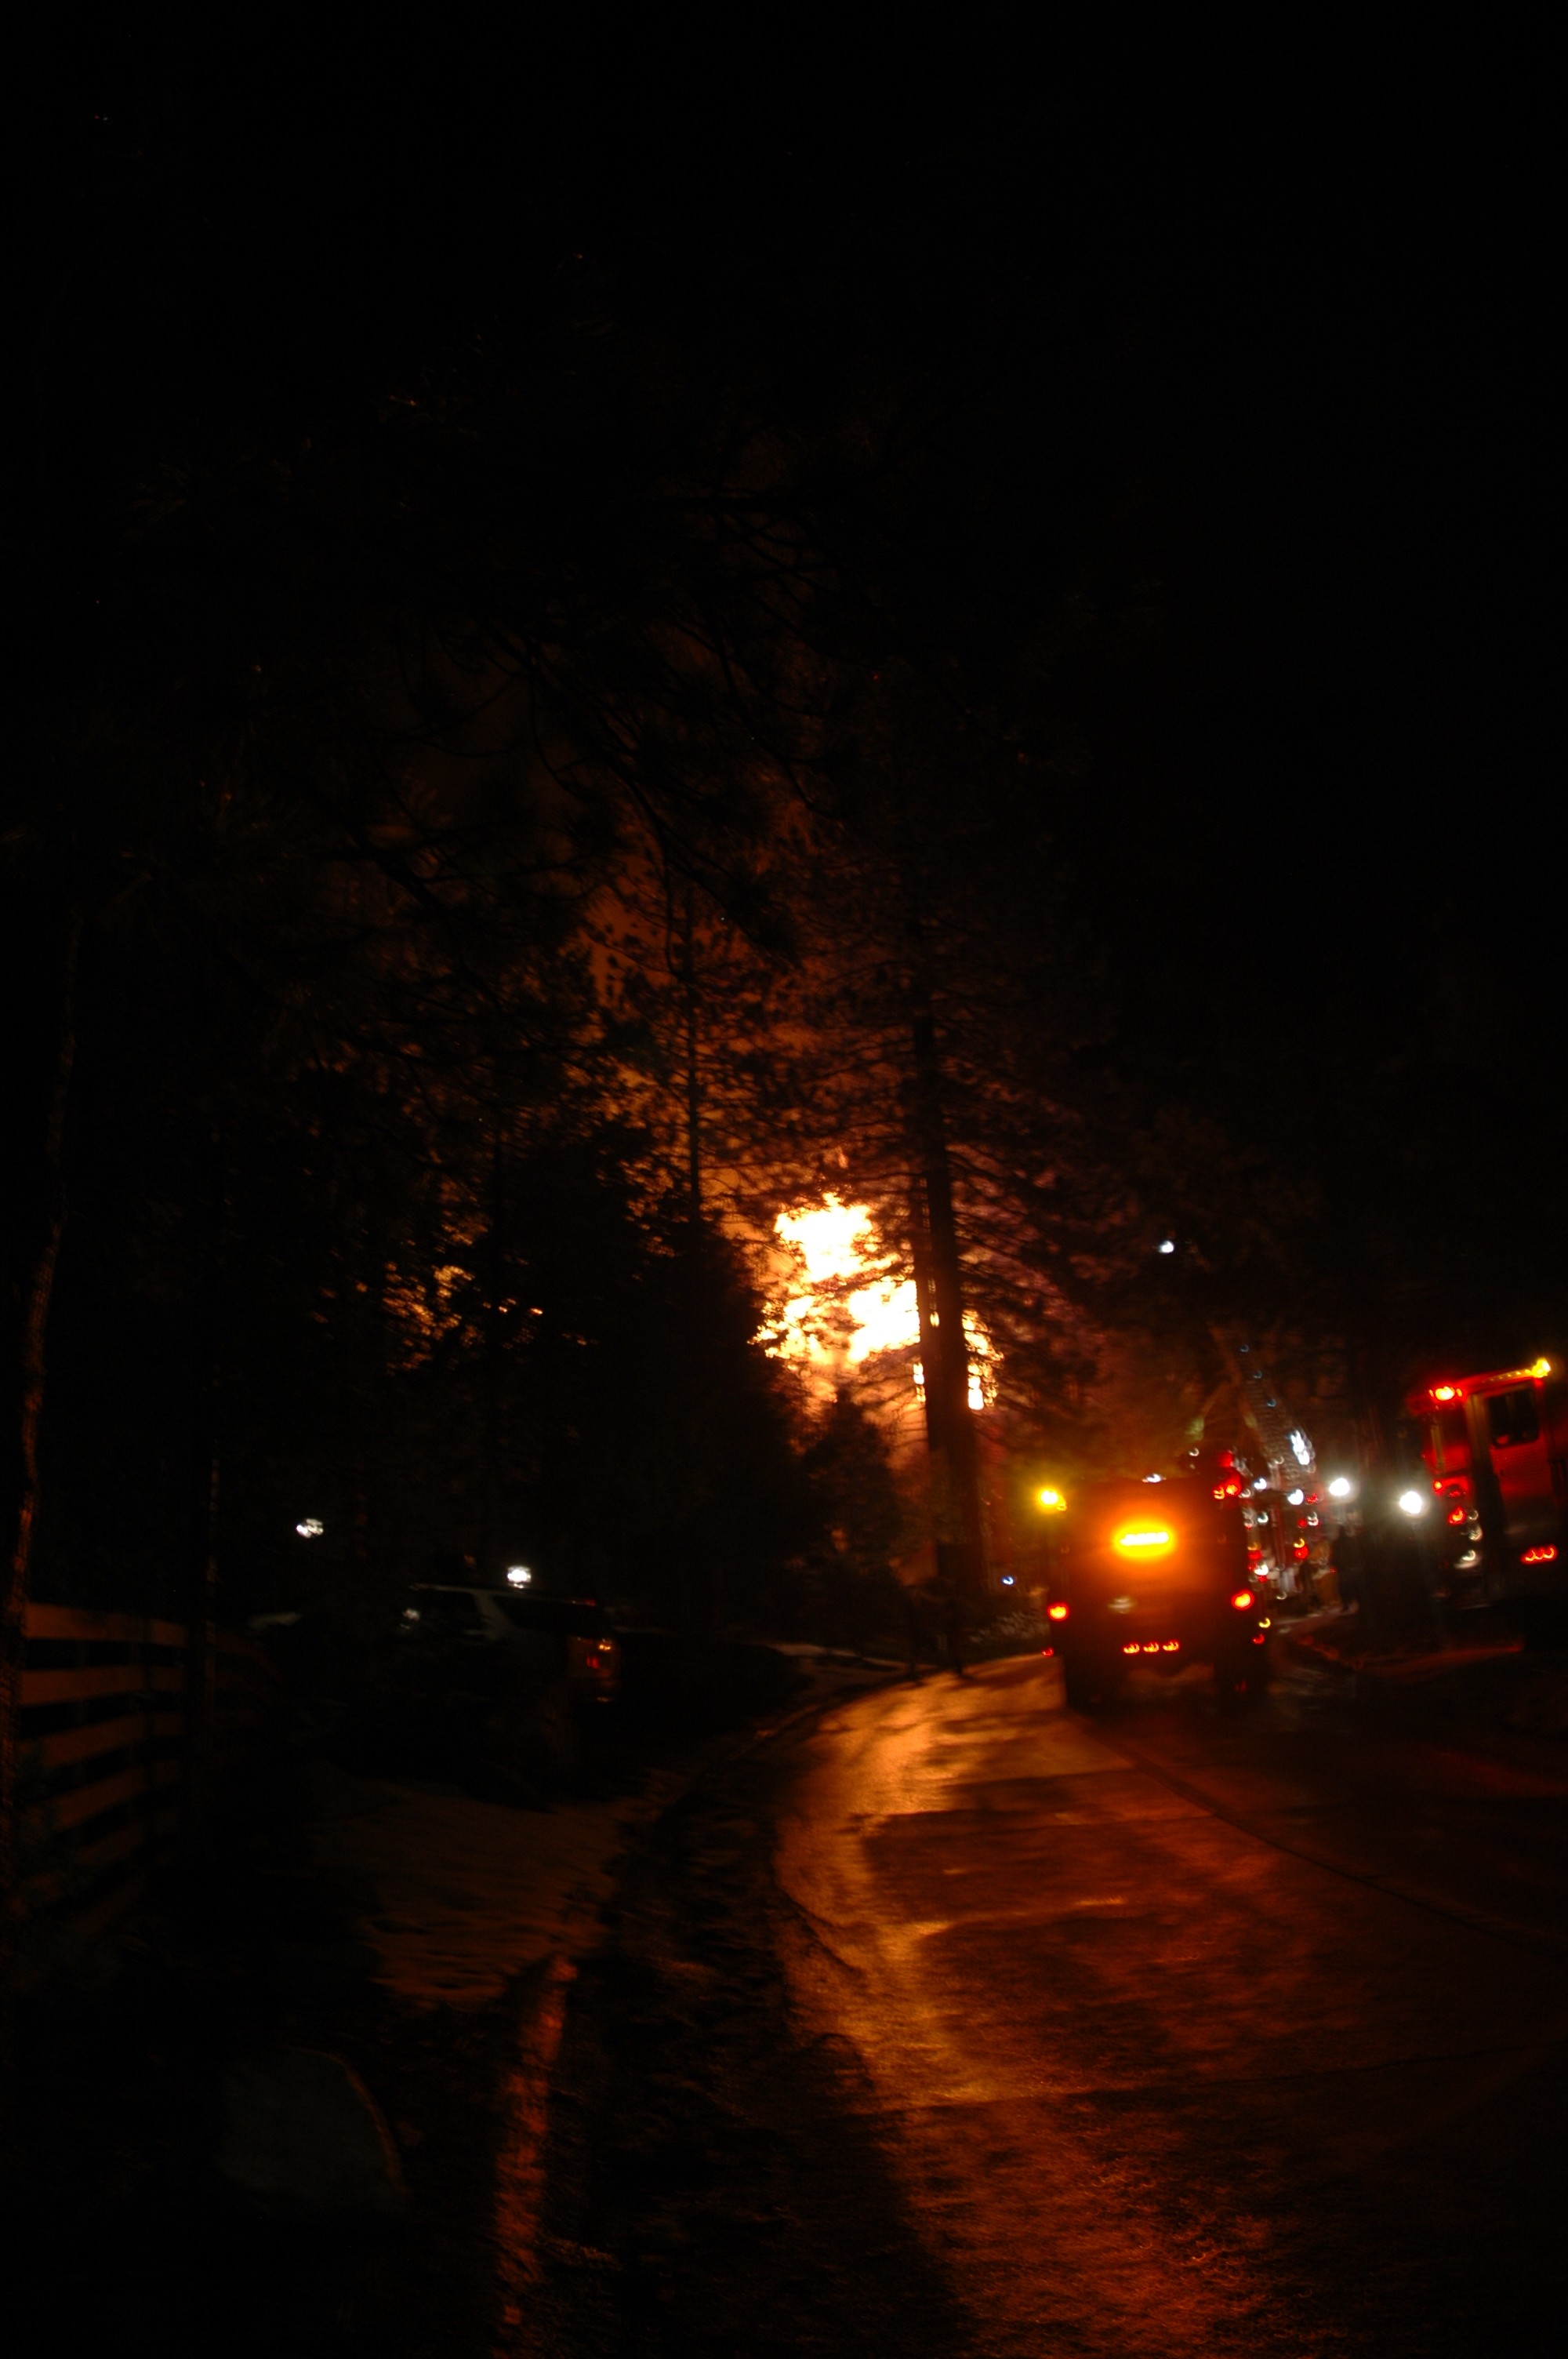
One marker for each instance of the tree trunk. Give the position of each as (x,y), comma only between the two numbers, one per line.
(199,1603)
(949,1421)
(491,1362)
(19,1583)
(692,1071)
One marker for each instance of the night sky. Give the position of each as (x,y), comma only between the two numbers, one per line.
(1257,375)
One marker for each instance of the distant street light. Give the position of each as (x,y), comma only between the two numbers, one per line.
(1167,1244)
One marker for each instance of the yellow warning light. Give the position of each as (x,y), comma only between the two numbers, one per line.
(1052,1501)
(1144,1540)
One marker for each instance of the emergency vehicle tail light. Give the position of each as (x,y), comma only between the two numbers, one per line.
(1538,1556)
(1456,1515)
(1444,1392)
(1057,1612)
(1243,1601)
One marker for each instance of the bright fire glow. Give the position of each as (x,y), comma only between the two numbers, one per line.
(850,1306)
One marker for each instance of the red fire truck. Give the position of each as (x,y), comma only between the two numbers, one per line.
(1496,1447)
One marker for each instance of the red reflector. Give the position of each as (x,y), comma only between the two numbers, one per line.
(1243,1601)
(1057,1612)
(1538,1556)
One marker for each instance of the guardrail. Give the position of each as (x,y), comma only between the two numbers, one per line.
(106,1742)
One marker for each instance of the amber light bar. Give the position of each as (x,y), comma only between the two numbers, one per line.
(1145,1540)
(1462,1385)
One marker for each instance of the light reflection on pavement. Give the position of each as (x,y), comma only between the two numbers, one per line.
(1192,2037)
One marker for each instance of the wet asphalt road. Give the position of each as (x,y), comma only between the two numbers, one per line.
(1192,2037)
(955,2024)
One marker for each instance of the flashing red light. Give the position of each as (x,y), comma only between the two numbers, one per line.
(1538,1556)
(1259,1639)
(1056,1613)
(1243,1601)
(1444,1392)
(1456,1515)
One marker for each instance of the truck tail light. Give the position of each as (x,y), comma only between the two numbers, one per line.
(1538,1556)
(1057,1612)
(1243,1601)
